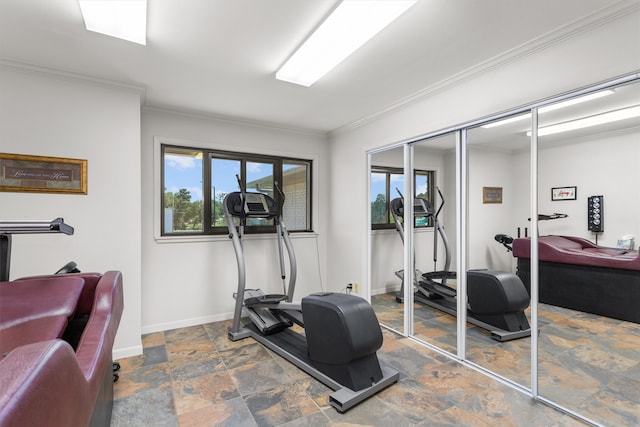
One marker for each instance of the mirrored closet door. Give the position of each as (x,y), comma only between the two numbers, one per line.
(386,264)
(434,241)
(498,333)
(589,221)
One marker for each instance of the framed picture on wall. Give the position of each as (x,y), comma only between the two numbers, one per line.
(39,174)
(564,193)
(491,194)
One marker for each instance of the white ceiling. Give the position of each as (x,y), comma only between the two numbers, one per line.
(219,57)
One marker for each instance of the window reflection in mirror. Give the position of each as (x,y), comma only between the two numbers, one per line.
(387,257)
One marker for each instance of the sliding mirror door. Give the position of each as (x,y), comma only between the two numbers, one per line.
(386,261)
(498,207)
(589,266)
(434,241)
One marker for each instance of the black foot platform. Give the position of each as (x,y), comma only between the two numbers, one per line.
(293,347)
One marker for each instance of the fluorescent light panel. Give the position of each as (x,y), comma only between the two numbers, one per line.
(599,119)
(506,121)
(124,19)
(553,107)
(350,25)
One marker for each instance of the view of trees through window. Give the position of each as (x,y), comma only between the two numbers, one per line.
(186,203)
(388,184)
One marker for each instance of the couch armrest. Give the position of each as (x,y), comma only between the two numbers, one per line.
(42,384)
(96,344)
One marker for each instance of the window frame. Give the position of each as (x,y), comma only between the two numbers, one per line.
(208,154)
(388,171)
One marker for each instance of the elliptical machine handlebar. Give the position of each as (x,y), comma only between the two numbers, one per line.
(441,202)
(242,204)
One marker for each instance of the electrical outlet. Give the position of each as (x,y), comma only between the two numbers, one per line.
(356,287)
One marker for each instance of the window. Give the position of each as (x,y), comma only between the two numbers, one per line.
(387,184)
(187,172)
(182,203)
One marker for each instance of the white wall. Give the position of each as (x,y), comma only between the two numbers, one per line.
(602,165)
(490,168)
(60,116)
(600,53)
(191,281)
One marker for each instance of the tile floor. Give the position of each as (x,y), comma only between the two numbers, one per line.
(589,364)
(195,376)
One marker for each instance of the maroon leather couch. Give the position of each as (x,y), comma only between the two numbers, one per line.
(56,340)
(577,274)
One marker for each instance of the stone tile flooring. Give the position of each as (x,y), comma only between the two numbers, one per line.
(589,364)
(195,376)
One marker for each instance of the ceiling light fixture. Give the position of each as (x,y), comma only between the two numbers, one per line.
(506,121)
(350,25)
(552,107)
(124,19)
(598,119)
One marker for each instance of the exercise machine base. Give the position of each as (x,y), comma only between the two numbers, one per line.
(293,347)
(450,308)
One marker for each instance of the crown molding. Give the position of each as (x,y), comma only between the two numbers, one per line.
(579,26)
(232,120)
(52,73)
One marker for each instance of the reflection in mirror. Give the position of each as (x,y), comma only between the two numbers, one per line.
(434,241)
(589,265)
(498,207)
(387,258)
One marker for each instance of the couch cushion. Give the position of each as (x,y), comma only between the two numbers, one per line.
(578,251)
(35,330)
(90,282)
(26,300)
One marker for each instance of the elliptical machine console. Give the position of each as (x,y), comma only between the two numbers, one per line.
(342,333)
(255,204)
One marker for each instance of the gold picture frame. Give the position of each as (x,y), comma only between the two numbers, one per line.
(491,194)
(39,174)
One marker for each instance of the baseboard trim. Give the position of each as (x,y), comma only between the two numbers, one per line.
(194,321)
(127,352)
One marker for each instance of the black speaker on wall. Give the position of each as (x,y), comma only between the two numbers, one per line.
(595,214)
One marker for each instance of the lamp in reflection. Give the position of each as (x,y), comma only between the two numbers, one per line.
(552,107)
(598,119)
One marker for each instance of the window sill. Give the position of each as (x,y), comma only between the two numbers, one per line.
(394,231)
(225,237)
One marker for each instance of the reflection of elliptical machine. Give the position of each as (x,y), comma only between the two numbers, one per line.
(342,333)
(495,299)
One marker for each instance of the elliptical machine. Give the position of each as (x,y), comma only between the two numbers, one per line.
(342,333)
(495,299)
